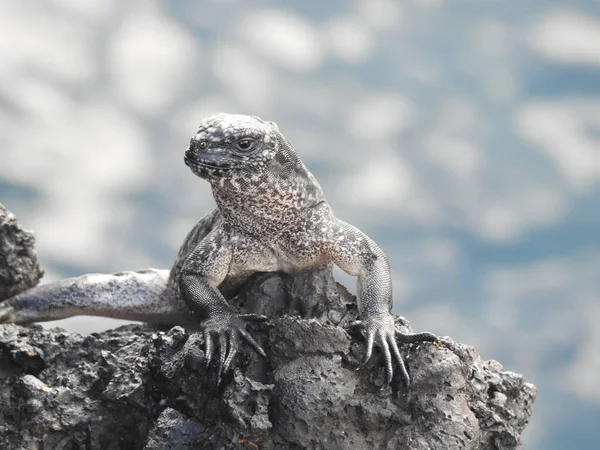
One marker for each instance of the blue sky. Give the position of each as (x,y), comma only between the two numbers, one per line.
(463,136)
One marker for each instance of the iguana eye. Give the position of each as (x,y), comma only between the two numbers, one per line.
(202,145)
(245,144)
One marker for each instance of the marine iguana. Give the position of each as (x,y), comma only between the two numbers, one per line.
(271,215)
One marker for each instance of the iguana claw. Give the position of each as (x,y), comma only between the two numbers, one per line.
(228,328)
(379,329)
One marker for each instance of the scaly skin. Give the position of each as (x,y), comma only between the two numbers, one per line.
(271,216)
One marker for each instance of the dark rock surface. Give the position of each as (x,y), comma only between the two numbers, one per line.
(19,269)
(138,388)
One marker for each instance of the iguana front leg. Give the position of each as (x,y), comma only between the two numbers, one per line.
(203,271)
(356,254)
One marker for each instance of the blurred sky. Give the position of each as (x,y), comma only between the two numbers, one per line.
(463,136)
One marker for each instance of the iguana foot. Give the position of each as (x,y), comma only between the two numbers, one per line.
(226,329)
(381,330)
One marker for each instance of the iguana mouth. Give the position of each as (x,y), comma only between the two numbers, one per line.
(200,161)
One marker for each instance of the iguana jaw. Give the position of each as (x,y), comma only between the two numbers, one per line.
(206,166)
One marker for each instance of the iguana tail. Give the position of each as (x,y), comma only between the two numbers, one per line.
(142,295)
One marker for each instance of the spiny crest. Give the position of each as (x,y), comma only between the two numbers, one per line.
(224,127)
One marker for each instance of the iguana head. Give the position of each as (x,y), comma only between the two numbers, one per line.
(229,145)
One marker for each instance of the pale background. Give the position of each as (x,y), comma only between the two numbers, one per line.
(463,136)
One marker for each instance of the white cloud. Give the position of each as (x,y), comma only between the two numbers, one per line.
(581,376)
(94,11)
(99,145)
(562,131)
(381,181)
(505,216)
(444,319)
(349,39)
(425,71)
(457,155)
(500,222)
(45,42)
(458,115)
(543,277)
(187,117)
(566,36)
(82,161)
(493,43)
(39,98)
(479,188)
(151,59)
(428,3)
(284,38)
(527,312)
(440,252)
(379,116)
(380,14)
(557,291)
(248,80)
(542,306)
